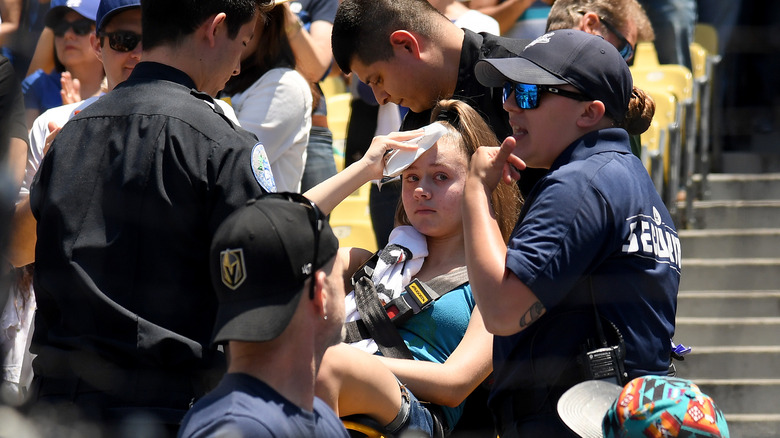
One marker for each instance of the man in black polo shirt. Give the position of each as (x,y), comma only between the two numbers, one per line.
(412,55)
(126,202)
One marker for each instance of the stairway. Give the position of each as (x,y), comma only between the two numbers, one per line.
(729,299)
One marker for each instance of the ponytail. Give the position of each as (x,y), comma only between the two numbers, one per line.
(641,109)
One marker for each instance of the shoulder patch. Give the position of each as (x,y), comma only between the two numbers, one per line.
(261,168)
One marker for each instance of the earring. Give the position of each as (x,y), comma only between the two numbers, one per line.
(325,317)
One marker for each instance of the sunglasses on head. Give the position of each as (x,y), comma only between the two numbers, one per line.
(626,49)
(527,95)
(317,221)
(80,27)
(122,40)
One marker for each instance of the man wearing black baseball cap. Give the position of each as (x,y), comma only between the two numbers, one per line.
(281,305)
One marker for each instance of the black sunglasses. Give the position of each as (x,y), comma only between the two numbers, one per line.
(80,27)
(122,40)
(626,49)
(527,95)
(317,220)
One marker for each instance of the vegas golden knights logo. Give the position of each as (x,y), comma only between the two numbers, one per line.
(233,267)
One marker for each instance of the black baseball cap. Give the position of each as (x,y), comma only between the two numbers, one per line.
(568,56)
(260,257)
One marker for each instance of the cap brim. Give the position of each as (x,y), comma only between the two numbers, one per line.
(255,320)
(496,71)
(584,405)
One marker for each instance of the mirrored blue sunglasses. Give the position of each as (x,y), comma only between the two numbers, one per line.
(527,95)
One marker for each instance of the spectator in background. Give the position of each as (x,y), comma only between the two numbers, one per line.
(116,43)
(518,18)
(272,100)
(465,17)
(281,305)
(72,27)
(309,25)
(127,200)
(623,23)
(673,22)
(13,130)
(16,305)
(22,23)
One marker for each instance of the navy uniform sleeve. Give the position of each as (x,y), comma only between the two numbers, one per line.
(559,238)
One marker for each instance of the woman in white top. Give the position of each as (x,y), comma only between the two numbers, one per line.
(274,101)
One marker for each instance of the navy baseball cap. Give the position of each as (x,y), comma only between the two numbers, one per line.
(261,256)
(109,8)
(58,9)
(568,56)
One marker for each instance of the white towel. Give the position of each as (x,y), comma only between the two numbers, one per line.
(393,271)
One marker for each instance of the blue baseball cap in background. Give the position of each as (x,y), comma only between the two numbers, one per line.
(58,9)
(109,8)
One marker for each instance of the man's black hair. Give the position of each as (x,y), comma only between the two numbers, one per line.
(168,21)
(362,28)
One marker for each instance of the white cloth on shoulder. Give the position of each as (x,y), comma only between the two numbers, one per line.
(393,271)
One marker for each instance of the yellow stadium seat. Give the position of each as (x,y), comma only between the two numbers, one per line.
(333,85)
(653,154)
(706,35)
(338,114)
(663,162)
(351,221)
(677,80)
(645,55)
(698,60)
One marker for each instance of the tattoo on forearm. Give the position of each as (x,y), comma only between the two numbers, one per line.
(536,310)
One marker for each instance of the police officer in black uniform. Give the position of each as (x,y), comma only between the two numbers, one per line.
(126,203)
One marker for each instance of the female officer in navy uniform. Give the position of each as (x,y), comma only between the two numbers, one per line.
(594,236)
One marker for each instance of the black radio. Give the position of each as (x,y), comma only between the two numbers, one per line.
(605,363)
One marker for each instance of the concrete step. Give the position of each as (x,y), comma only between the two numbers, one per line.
(743,396)
(728,304)
(745,186)
(730,362)
(750,162)
(733,243)
(727,331)
(753,426)
(730,274)
(735,214)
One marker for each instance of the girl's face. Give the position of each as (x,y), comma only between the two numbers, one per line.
(71,47)
(432,189)
(542,133)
